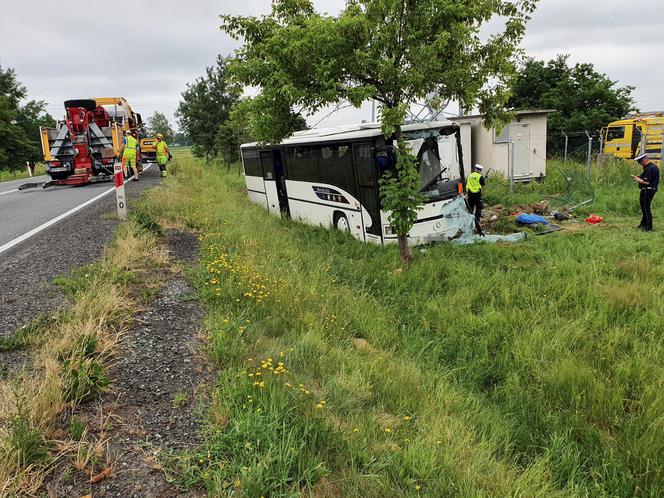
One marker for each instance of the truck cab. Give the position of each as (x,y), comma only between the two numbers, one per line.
(634,135)
(148,150)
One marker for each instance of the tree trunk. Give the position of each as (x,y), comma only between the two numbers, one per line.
(404,249)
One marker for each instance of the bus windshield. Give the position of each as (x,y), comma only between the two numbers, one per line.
(437,162)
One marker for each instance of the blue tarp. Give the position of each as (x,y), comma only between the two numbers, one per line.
(531,219)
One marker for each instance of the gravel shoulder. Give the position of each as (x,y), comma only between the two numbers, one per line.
(159,388)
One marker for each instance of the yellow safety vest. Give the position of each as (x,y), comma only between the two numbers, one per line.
(130,146)
(473,183)
(161,148)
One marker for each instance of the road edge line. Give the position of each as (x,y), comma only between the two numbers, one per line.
(43,226)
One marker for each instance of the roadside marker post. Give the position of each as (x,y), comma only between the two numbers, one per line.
(120,192)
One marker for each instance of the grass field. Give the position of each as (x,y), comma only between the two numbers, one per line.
(532,369)
(6,175)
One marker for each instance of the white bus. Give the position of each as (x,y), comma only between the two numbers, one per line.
(330,176)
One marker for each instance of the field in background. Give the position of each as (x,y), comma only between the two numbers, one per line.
(531,369)
(6,175)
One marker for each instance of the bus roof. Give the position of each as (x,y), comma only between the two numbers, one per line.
(350,132)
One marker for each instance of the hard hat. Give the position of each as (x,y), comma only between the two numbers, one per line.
(128,132)
(641,158)
(159,135)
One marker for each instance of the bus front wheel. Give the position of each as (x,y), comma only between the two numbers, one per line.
(341,222)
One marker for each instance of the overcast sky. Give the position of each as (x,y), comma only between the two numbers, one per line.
(147,51)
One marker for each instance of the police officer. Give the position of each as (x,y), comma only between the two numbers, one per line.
(648,182)
(474,186)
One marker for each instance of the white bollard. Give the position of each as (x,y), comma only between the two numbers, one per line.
(27,165)
(120,192)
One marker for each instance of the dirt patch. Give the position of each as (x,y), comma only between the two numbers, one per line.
(160,384)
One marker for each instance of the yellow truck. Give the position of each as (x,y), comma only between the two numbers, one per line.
(634,135)
(148,148)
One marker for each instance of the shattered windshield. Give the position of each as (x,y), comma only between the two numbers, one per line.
(437,161)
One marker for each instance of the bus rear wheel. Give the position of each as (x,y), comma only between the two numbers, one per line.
(341,222)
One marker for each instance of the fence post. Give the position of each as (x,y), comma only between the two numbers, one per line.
(511,157)
(566,142)
(644,141)
(590,151)
(601,142)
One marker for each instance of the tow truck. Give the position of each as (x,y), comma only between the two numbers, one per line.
(85,145)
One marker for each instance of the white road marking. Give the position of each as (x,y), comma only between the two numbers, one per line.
(44,226)
(9,191)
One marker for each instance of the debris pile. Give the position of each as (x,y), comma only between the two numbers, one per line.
(500,219)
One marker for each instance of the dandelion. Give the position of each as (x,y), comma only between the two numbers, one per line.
(406,418)
(319,406)
(356,430)
(388,430)
(417,487)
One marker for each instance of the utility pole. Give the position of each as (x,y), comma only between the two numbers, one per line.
(590,151)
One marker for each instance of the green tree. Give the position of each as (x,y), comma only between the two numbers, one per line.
(158,123)
(583,98)
(19,123)
(241,128)
(181,139)
(205,105)
(393,51)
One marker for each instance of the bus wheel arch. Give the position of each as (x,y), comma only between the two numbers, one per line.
(341,221)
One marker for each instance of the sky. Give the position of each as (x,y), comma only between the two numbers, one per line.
(147,51)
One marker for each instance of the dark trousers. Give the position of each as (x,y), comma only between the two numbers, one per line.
(645,201)
(475,204)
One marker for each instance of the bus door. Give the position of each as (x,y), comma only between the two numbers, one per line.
(275,182)
(368,190)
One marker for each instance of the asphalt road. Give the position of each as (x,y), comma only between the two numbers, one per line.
(28,268)
(24,210)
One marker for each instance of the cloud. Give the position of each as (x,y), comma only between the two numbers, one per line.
(148,50)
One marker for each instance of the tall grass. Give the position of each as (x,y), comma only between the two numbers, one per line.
(490,370)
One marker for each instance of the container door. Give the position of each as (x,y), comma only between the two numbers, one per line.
(520,136)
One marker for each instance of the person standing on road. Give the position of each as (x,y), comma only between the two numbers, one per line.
(474,186)
(648,182)
(129,146)
(163,155)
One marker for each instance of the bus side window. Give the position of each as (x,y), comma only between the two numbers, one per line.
(252,167)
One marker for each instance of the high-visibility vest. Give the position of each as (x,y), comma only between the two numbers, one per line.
(130,143)
(473,184)
(161,148)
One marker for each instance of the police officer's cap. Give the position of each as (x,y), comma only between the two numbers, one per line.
(641,158)
(479,167)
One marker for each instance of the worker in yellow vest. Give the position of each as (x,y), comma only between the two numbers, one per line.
(163,155)
(474,186)
(129,144)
